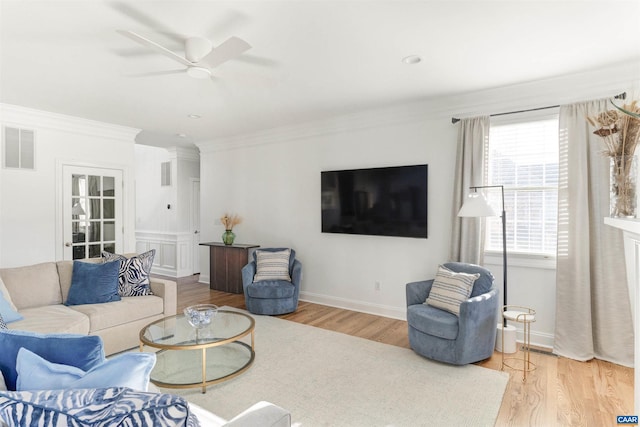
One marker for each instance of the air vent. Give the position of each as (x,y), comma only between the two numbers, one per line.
(19,148)
(165,171)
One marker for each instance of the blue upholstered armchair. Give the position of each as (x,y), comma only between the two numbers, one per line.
(272,297)
(440,335)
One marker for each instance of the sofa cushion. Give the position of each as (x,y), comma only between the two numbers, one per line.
(52,319)
(272,265)
(94,283)
(101,407)
(134,272)
(81,351)
(126,370)
(128,309)
(271,289)
(33,286)
(433,321)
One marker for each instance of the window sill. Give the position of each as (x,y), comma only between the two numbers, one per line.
(547,262)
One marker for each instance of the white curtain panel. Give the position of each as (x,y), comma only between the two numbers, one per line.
(467,237)
(593,312)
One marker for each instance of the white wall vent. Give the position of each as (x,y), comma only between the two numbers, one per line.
(19,148)
(165,172)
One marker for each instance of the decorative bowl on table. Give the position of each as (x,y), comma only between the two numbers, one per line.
(200,315)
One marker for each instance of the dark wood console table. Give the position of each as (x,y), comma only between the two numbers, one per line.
(225,265)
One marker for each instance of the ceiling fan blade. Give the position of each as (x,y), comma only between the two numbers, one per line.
(155,46)
(145,20)
(157,73)
(231,48)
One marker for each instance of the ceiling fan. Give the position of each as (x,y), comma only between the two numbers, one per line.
(200,55)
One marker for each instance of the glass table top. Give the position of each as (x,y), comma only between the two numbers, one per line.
(176,332)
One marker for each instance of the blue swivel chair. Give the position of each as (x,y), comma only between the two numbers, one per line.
(272,297)
(440,335)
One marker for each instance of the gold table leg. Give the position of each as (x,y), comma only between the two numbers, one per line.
(204,370)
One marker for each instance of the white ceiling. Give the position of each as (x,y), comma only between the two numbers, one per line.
(310,59)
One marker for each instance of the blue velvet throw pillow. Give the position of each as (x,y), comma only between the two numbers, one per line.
(102,407)
(130,370)
(81,351)
(94,283)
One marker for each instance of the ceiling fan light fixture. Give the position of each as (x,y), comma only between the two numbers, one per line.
(199,72)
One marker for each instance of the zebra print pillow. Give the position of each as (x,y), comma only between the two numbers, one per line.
(133,279)
(95,407)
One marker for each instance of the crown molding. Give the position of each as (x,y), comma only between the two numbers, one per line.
(184,153)
(363,120)
(38,119)
(603,82)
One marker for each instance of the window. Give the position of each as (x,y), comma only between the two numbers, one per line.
(522,155)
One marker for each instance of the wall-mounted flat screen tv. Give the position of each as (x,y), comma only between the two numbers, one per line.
(389,201)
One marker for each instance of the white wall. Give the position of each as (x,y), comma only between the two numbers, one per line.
(163,212)
(152,198)
(275,187)
(272,179)
(30,224)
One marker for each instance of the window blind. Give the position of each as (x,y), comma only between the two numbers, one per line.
(522,155)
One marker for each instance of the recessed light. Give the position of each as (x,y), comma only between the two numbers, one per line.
(194,116)
(181,135)
(411,59)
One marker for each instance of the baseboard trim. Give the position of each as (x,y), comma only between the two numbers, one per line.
(362,307)
(538,339)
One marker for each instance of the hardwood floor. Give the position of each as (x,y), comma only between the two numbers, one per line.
(560,392)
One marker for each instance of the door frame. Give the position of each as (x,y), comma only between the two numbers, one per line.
(195,248)
(128,203)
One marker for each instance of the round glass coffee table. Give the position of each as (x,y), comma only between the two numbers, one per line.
(190,357)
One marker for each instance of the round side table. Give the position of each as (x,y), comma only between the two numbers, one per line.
(526,316)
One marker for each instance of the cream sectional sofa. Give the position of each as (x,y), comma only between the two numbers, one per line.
(39,292)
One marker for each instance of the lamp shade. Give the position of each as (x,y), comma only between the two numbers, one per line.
(76,209)
(476,205)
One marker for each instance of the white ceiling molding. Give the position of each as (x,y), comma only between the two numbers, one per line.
(600,83)
(184,153)
(37,119)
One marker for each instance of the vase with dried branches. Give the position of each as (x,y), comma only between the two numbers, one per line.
(229,221)
(620,130)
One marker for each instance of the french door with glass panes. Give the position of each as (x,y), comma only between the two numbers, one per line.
(92,211)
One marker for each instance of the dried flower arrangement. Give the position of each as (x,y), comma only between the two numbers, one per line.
(620,130)
(230,221)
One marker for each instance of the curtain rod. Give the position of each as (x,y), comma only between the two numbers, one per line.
(455,120)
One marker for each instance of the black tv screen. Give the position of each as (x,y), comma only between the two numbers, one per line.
(390,201)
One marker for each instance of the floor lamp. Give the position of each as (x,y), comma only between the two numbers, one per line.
(477,206)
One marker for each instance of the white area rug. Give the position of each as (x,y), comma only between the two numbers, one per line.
(327,378)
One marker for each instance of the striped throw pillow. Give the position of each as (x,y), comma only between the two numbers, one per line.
(272,265)
(450,289)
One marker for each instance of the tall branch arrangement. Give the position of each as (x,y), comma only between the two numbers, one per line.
(620,130)
(230,220)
